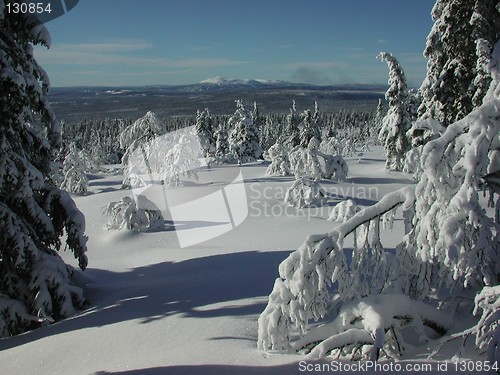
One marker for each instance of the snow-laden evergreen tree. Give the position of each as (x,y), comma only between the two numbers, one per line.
(379,118)
(222,142)
(244,137)
(183,159)
(304,193)
(309,128)
(292,127)
(280,163)
(397,120)
(331,146)
(205,131)
(270,132)
(461,39)
(36,286)
(453,232)
(258,121)
(75,166)
(135,137)
(305,162)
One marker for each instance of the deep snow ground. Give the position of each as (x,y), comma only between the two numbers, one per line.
(156,308)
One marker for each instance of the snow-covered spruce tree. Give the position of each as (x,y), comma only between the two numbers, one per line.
(74,171)
(205,131)
(309,129)
(305,192)
(462,37)
(136,137)
(35,284)
(453,233)
(222,143)
(397,121)
(280,163)
(181,160)
(292,127)
(305,162)
(258,121)
(244,137)
(379,119)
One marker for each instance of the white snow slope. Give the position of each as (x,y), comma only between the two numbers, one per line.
(156,308)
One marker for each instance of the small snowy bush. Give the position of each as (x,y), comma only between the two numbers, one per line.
(305,193)
(136,214)
(280,164)
(335,167)
(305,162)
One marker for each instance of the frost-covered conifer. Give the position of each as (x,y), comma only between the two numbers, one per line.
(222,143)
(453,231)
(309,129)
(280,163)
(258,121)
(205,131)
(379,117)
(304,162)
(397,121)
(75,166)
(462,37)
(181,160)
(292,127)
(35,284)
(331,146)
(135,137)
(244,138)
(305,193)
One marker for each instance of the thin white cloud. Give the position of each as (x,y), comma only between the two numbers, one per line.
(117,53)
(126,45)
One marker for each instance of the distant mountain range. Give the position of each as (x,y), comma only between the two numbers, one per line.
(212,85)
(218,94)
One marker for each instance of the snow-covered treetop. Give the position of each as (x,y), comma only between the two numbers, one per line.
(147,126)
(397,79)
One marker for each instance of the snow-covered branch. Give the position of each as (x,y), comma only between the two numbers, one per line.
(303,290)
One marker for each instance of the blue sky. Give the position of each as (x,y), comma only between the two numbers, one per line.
(130,42)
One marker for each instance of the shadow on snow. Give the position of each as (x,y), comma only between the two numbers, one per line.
(160,290)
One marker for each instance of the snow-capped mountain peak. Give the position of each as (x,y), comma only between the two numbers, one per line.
(228,82)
